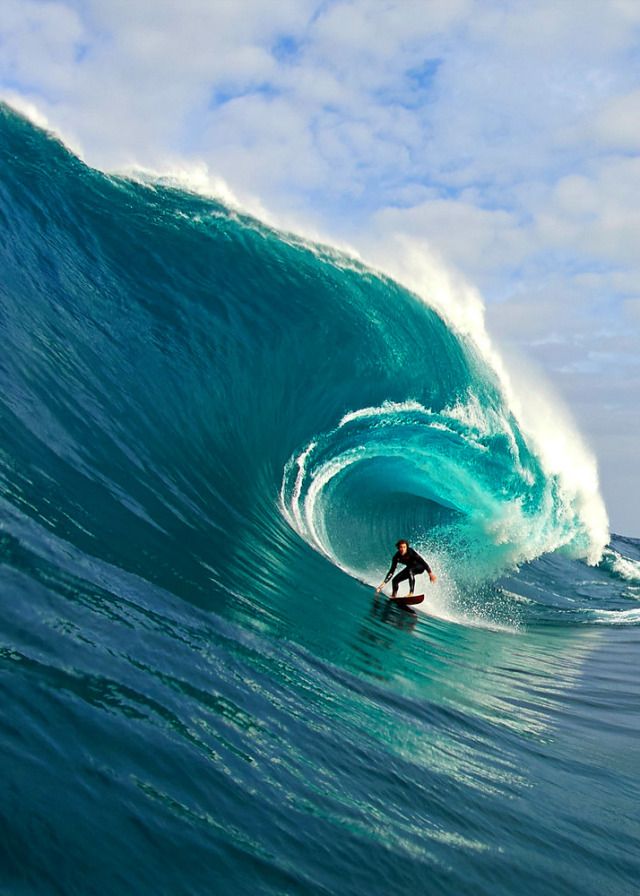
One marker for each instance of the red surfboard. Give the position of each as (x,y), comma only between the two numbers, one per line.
(407,601)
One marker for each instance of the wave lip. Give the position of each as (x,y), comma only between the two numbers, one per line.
(624,568)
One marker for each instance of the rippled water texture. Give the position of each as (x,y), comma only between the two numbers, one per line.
(211,436)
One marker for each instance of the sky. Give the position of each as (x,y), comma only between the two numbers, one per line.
(495,141)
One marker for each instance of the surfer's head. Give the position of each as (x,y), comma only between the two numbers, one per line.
(402,545)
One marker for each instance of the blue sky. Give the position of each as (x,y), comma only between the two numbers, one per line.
(498,142)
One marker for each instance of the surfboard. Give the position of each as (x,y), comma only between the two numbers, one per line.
(407,601)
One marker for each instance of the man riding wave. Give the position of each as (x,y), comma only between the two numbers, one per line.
(414,565)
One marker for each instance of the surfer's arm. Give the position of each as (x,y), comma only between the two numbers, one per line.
(426,565)
(392,569)
(427,568)
(394,563)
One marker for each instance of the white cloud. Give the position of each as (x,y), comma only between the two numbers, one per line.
(39,44)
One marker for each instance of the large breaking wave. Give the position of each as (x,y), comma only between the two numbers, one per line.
(190,368)
(211,433)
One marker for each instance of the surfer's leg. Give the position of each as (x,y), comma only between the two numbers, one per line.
(412,582)
(395,581)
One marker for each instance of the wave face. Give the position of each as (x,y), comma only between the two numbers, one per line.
(212,435)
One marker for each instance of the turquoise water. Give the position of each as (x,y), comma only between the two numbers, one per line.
(212,435)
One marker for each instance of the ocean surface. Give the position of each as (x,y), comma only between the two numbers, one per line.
(211,435)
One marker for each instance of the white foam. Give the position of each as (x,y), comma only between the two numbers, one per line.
(387,407)
(195,177)
(627,569)
(616,617)
(33,113)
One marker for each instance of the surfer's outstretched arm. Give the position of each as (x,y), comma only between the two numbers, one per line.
(392,569)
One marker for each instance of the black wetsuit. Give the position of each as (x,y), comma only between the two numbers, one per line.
(414,564)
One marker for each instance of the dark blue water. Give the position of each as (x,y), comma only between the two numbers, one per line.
(211,435)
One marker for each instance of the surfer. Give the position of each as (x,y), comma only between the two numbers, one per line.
(414,565)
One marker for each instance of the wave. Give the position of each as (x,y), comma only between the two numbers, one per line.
(624,568)
(213,433)
(176,368)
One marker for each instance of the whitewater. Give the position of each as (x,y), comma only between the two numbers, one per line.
(212,433)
